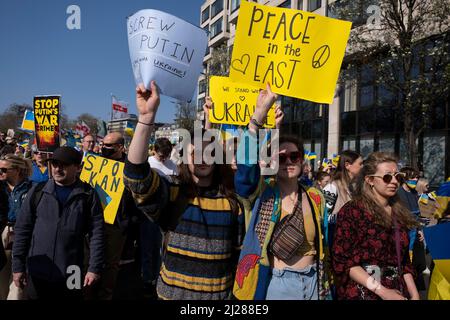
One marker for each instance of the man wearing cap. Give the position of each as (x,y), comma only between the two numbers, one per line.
(50,231)
(40,168)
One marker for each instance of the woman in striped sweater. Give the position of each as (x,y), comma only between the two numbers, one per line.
(201,215)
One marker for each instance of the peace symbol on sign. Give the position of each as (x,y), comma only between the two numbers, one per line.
(321,56)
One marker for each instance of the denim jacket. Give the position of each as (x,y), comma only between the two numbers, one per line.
(16,197)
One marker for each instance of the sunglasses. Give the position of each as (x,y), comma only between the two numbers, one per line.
(387,178)
(110,145)
(295,157)
(58,164)
(5,170)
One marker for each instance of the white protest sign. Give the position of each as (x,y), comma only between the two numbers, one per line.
(168,50)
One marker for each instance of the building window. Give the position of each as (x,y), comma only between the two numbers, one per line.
(235,4)
(348,123)
(216,8)
(367,98)
(314,5)
(386,145)
(216,28)
(349,144)
(434,159)
(385,97)
(202,86)
(350,95)
(300,4)
(200,104)
(366,146)
(205,14)
(286,4)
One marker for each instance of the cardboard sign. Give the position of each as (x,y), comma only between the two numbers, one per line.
(168,50)
(235,103)
(106,177)
(46,122)
(299,53)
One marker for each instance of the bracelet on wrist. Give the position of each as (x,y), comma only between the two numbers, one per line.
(256,123)
(146,124)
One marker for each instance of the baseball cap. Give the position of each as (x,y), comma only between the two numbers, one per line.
(66,155)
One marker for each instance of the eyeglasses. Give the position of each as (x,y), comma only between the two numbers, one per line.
(110,145)
(58,164)
(387,178)
(5,170)
(295,157)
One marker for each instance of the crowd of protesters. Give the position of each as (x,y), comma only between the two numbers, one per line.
(212,231)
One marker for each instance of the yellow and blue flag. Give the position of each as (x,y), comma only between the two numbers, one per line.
(129,130)
(229,131)
(335,160)
(437,239)
(309,155)
(28,121)
(423,198)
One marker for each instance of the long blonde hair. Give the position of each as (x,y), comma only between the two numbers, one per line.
(24,165)
(363,193)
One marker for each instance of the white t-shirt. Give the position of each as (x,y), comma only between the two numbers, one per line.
(167,169)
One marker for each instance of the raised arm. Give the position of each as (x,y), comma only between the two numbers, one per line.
(247,177)
(206,109)
(147,104)
(149,191)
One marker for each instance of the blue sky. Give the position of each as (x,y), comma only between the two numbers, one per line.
(39,55)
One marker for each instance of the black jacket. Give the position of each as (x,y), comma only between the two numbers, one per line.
(51,239)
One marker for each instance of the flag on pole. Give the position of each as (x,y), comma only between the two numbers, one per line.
(28,121)
(82,128)
(119,109)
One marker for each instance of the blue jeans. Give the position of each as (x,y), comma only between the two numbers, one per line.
(293,284)
(150,250)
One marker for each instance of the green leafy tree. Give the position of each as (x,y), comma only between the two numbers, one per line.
(406,45)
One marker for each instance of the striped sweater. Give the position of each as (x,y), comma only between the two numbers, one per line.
(203,237)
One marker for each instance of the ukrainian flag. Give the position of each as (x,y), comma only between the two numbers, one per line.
(28,121)
(310,155)
(229,131)
(129,130)
(443,199)
(24,144)
(335,160)
(438,239)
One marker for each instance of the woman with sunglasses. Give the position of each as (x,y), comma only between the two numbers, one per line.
(14,173)
(282,254)
(370,249)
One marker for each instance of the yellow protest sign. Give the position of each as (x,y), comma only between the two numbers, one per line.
(106,177)
(46,122)
(299,53)
(234,103)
